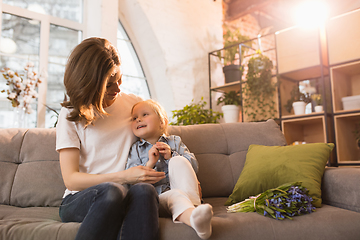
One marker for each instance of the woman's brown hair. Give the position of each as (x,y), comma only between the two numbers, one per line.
(86,74)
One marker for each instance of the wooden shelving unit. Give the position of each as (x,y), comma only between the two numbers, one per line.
(344,58)
(302,57)
(330,57)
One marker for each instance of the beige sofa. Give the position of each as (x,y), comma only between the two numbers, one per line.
(31,188)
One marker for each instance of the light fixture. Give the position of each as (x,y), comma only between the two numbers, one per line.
(7,45)
(311,13)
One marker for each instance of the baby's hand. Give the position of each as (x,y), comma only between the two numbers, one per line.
(153,156)
(164,150)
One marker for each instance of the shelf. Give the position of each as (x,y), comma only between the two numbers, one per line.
(345,48)
(287,85)
(293,116)
(300,48)
(345,81)
(309,129)
(304,74)
(347,151)
(227,87)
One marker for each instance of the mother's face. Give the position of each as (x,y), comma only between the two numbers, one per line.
(112,88)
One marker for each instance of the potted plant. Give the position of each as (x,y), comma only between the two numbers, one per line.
(233,71)
(259,90)
(195,113)
(317,99)
(232,104)
(297,101)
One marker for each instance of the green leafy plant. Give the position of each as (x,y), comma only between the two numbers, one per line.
(259,90)
(195,113)
(231,38)
(296,96)
(230,98)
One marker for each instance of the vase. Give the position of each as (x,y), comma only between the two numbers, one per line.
(231,113)
(20,117)
(319,108)
(232,73)
(299,107)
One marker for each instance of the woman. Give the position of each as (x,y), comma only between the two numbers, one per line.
(93,138)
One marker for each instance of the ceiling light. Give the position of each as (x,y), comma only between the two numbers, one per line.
(311,13)
(7,45)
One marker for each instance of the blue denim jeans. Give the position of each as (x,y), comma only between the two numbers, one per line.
(109,211)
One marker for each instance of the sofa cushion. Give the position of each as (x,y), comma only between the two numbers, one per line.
(269,167)
(30,165)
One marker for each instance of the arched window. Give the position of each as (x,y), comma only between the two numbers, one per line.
(44,32)
(134,80)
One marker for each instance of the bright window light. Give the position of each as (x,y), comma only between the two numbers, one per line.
(311,13)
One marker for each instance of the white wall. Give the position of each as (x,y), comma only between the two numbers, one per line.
(101,19)
(173,39)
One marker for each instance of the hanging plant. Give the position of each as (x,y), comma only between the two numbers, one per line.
(259,90)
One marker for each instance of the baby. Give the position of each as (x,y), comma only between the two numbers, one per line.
(179,192)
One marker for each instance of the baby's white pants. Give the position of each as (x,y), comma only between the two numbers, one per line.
(184,192)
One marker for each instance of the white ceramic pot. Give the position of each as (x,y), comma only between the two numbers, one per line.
(319,108)
(299,107)
(231,113)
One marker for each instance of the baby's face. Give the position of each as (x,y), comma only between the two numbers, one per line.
(146,123)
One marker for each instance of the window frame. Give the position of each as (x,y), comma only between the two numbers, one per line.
(45,22)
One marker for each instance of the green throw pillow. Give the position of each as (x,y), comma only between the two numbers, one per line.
(268,167)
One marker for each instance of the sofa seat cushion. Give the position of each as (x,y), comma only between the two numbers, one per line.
(34,223)
(317,225)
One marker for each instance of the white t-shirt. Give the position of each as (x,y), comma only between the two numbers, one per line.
(104,147)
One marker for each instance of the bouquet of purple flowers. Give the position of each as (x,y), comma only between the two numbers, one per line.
(285,201)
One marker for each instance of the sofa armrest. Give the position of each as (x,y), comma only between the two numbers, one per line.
(341,188)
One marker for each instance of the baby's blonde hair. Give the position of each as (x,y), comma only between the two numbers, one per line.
(159,110)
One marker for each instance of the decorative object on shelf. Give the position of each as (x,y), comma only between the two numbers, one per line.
(299,107)
(297,101)
(22,90)
(232,71)
(231,107)
(351,102)
(259,89)
(317,99)
(195,113)
(357,134)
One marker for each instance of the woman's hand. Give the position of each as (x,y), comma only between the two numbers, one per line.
(143,174)
(164,149)
(77,181)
